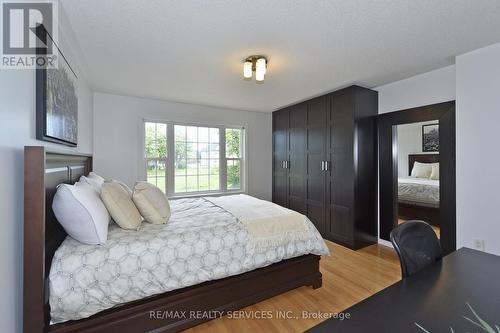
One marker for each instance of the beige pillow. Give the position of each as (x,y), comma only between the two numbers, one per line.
(122,184)
(435,171)
(421,170)
(120,206)
(151,202)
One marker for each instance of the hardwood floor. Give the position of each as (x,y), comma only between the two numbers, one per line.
(348,277)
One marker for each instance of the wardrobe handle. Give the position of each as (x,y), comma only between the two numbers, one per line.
(287,164)
(326,165)
(322,165)
(283,165)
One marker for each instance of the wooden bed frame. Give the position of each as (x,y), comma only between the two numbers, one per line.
(43,171)
(416,212)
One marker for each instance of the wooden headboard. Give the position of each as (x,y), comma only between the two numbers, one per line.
(422,158)
(43,171)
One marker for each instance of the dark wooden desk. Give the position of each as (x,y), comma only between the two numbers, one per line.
(435,298)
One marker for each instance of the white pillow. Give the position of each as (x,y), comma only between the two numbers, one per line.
(81,213)
(120,206)
(151,202)
(94,176)
(421,170)
(435,171)
(92,183)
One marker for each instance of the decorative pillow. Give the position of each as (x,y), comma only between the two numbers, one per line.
(151,202)
(120,206)
(122,184)
(435,171)
(421,170)
(81,213)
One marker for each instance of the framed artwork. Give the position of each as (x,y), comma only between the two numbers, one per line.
(430,138)
(57,104)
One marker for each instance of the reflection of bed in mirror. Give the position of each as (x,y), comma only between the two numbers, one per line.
(418,198)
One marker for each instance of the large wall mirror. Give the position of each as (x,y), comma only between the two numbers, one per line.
(417,170)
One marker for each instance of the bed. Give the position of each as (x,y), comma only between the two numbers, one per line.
(47,252)
(418,198)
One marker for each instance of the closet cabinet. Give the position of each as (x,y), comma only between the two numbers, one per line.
(324,163)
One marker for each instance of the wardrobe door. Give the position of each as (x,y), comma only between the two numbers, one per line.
(296,161)
(340,173)
(315,157)
(280,155)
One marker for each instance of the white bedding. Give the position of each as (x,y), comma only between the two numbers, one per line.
(418,191)
(201,242)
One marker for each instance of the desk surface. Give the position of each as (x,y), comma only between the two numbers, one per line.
(434,298)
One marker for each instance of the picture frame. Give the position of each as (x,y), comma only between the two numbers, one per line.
(430,138)
(57,103)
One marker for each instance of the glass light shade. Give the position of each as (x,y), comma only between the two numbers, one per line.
(260,69)
(247,69)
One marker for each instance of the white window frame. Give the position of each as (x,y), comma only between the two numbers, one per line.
(170,160)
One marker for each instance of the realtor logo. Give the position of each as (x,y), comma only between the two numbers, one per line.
(29,34)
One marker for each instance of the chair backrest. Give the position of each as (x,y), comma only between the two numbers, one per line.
(417,246)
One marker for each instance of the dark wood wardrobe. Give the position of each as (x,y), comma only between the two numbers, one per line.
(324,163)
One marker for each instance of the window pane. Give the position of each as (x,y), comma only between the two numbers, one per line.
(214,167)
(180,184)
(214,150)
(233,143)
(156,173)
(203,167)
(155,140)
(161,182)
(196,158)
(214,135)
(180,133)
(150,140)
(192,134)
(203,150)
(233,174)
(214,182)
(192,149)
(203,183)
(203,134)
(192,183)
(192,167)
(151,168)
(180,167)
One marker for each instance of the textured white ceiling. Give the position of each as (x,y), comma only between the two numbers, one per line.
(192,50)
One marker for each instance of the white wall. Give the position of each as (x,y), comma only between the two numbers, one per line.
(424,89)
(478,154)
(410,142)
(117,136)
(17,129)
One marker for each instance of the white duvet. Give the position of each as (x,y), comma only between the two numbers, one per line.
(418,191)
(201,242)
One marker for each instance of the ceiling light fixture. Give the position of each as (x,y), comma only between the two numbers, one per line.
(257,64)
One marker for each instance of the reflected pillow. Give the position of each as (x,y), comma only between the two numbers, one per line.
(421,170)
(435,171)
(151,202)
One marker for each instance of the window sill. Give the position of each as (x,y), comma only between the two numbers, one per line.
(208,194)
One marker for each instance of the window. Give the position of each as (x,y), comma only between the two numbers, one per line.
(233,158)
(200,159)
(156,153)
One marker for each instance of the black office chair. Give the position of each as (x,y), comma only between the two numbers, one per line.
(417,246)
